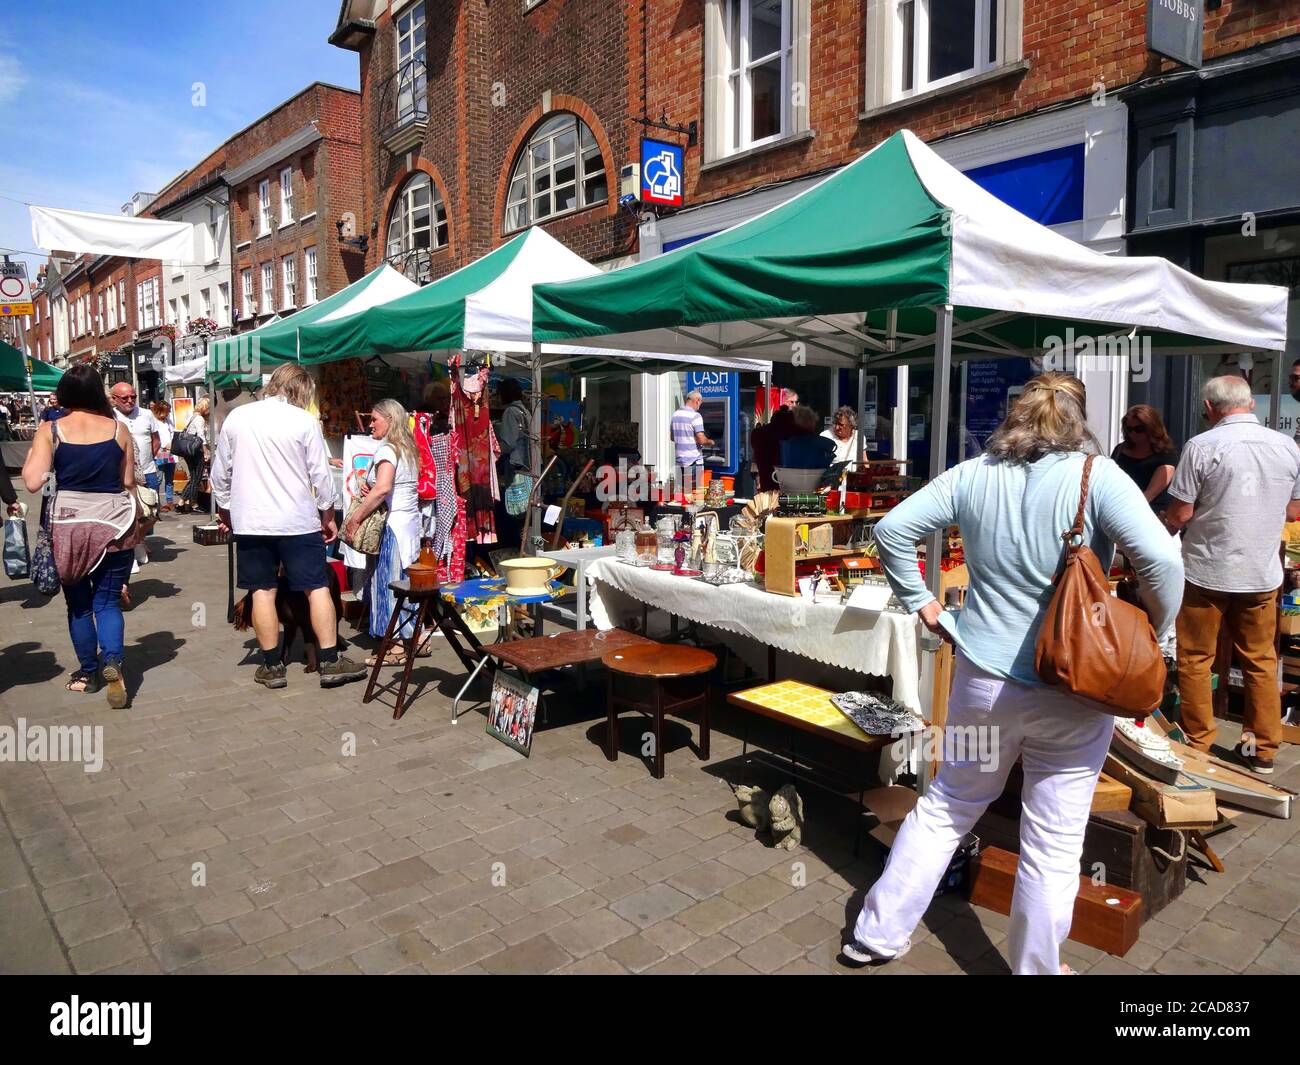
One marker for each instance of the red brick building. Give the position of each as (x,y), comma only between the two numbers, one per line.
(293,176)
(481,119)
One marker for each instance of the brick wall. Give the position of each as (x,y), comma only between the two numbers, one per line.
(488,66)
(326,183)
(1072,46)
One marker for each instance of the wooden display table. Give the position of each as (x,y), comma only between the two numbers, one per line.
(658,680)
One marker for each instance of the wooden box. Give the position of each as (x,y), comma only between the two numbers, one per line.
(1107,918)
(209,535)
(781,555)
(1121,848)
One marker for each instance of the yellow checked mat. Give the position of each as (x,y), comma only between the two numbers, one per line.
(803,702)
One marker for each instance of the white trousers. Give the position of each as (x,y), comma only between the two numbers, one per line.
(1062,744)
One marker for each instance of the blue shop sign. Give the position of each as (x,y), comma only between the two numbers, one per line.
(662,170)
(721,413)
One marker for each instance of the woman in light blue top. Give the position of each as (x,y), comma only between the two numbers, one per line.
(1012,504)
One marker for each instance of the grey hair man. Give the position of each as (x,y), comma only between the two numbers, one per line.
(1235,486)
(688,433)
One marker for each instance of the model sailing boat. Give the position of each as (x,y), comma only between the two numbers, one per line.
(1147,749)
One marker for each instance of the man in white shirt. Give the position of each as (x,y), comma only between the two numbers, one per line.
(143,427)
(274,490)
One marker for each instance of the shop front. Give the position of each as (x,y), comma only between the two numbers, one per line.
(1211,191)
(1066,169)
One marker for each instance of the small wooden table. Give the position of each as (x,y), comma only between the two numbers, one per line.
(658,680)
(808,709)
(577,648)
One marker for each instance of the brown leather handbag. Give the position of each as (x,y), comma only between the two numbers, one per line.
(1091,642)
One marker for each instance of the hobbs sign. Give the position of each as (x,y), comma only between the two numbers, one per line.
(1174,29)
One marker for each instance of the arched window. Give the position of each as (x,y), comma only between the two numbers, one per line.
(416,227)
(559,170)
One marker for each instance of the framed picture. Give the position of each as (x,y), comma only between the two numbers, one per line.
(512,712)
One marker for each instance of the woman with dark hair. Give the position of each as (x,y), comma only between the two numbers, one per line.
(1147,454)
(92,457)
(162,412)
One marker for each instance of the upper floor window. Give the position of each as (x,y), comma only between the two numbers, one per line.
(309,271)
(756,73)
(412,86)
(267,306)
(263,207)
(559,170)
(246,292)
(918,46)
(286,195)
(417,226)
(759,70)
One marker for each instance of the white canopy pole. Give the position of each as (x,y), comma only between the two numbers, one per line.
(939,436)
(535,445)
(1275,401)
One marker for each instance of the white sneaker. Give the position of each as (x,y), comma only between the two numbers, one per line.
(856,953)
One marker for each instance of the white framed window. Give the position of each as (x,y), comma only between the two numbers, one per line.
(756,74)
(289,281)
(264,207)
(121,301)
(412,86)
(214,216)
(286,195)
(110,309)
(417,226)
(205,303)
(101,320)
(172,314)
(146,301)
(246,290)
(223,303)
(268,289)
(309,271)
(759,71)
(558,171)
(184,319)
(920,46)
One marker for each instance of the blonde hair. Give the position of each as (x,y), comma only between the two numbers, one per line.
(399,431)
(203,406)
(1050,415)
(292,382)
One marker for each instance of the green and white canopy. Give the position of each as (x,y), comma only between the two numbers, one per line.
(13,372)
(276,341)
(486,305)
(854,269)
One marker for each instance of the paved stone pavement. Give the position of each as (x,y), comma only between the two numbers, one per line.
(434,848)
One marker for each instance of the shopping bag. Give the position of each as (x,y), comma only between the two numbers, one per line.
(18,561)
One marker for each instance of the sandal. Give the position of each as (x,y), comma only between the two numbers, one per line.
(117,698)
(394,658)
(90,682)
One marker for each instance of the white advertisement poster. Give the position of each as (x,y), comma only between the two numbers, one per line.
(358,455)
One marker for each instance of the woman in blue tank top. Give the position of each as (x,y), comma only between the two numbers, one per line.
(90,455)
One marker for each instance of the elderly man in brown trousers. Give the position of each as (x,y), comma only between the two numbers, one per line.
(1234,487)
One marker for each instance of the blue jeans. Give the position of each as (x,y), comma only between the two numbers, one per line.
(95,612)
(168,471)
(153,480)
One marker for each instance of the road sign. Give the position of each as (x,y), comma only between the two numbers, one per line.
(661,173)
(15,292)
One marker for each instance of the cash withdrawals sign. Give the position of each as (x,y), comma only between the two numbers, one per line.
(1175,29)
(15,292)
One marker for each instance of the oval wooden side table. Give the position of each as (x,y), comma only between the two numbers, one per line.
(656,681)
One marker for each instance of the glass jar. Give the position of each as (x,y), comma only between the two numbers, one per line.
(625,543)
(647,546)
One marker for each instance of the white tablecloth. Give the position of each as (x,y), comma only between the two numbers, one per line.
(880,643)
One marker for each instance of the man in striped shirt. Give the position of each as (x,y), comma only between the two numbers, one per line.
(688,431)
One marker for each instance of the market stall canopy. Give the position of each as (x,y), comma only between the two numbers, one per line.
(486,305)
(884,241)
(276,341)
(54,229)
(13,372)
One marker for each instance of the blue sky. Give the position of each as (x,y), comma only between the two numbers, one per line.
(97,97)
